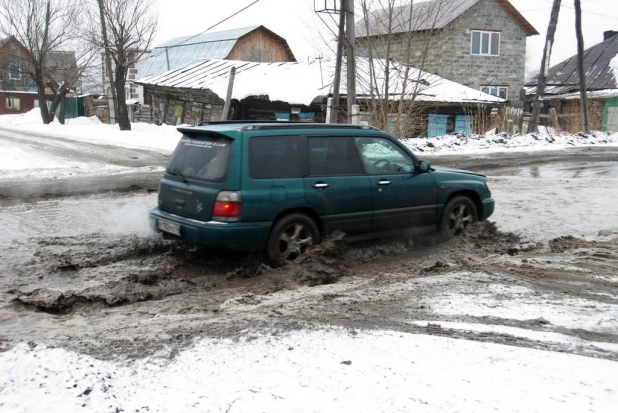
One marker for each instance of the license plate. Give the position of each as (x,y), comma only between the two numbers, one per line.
(168,227)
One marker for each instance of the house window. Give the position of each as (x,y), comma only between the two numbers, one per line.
(499,91)
(485,43)
(14,71)
(13,104)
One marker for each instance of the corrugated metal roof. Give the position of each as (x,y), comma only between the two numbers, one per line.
(597,94)
(302,82)
(434,14)
(189,49)
(233,34)
(563,78)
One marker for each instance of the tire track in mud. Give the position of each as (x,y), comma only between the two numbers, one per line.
(67,272)
(125,281)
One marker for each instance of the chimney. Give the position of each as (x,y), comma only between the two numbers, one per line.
(609,34)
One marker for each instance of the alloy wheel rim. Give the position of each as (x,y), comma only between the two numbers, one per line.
(294,241)
(459,219)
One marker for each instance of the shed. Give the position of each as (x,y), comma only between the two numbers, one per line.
(14,102)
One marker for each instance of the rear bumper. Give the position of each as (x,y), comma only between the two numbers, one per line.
(488,208)
(214,234)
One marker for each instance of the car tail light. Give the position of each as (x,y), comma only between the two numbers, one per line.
(227,207)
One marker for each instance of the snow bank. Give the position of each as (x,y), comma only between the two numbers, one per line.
(142,135)
(92,120)
(332,371)
(462,143)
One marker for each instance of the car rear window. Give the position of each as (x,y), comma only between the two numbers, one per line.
(202,157)
(275,157)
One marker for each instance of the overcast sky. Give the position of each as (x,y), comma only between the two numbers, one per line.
(296,21)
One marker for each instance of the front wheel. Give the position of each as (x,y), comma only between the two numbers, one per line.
(290,237)
(459,213)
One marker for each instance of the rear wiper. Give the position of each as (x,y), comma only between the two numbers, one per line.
(176,172)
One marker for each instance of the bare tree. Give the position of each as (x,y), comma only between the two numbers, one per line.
(131,28)
(338,61)
(46,30)
(542,80)
(398,38)
(580,65)
(108,60)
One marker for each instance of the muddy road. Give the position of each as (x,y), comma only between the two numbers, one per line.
(76,275)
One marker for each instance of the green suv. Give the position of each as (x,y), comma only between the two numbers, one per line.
(281,186)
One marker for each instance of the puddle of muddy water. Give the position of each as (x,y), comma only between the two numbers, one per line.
(572,170)
(77,216)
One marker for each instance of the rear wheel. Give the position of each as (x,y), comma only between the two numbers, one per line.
(459,213)
(290,237)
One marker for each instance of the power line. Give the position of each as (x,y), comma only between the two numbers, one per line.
(584,11)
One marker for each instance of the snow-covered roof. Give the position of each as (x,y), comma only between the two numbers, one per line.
(427,86)
(287,81)
(301,83)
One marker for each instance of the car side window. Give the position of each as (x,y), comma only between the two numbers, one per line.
(380,156)
(330,156)
(275,157)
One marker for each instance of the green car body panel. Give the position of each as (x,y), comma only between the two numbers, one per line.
(359,202)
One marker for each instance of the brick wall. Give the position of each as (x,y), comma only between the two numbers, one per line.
(449,51)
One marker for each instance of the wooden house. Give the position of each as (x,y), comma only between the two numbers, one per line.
(561,103)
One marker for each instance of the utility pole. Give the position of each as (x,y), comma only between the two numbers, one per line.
(351,56)
(543,73)
(108,65)
(580,65)
(228,96)
(319,59)
(337,81)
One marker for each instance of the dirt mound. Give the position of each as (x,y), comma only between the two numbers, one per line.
(569,242)
(69,272)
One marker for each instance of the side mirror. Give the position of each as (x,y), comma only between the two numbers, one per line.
(424,166)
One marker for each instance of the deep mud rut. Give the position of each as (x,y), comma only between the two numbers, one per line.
(128,296)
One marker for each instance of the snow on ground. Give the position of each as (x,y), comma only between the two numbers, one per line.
(522,304)
(313,371)
(491,142)
(542,336)
(142,135)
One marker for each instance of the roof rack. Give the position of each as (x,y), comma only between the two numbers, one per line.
(237,122)
(273,124)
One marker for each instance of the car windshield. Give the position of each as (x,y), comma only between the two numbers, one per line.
(201,157)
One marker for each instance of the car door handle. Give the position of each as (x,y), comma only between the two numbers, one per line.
(384,182)
(320,185)
(180,202)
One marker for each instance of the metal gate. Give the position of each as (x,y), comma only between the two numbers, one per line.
(437,125)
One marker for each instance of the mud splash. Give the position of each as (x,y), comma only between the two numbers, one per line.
(66,273)
(69,273)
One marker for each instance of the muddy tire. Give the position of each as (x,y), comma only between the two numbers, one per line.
(289,239)
(459,213)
